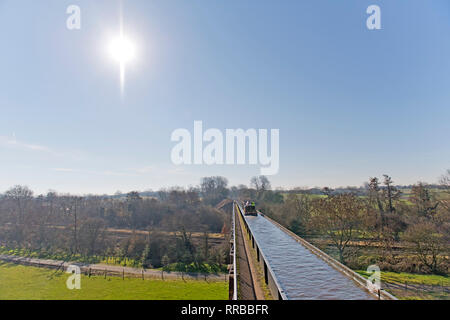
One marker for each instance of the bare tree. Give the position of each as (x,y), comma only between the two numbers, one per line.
(71,209)
(214,189)
(427,243)
(383,198)
(261,184)
(21,197)
(339,217)
(391,193)
(445,180)
(374,195)
(91,235)
(422,199)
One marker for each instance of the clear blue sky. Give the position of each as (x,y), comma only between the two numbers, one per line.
(350,103)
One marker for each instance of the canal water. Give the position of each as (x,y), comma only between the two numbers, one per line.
(300,273)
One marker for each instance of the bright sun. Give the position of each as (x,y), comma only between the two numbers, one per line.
(122,50)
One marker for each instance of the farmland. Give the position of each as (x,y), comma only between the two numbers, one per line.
(32,283)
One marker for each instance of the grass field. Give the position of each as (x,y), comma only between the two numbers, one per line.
(412,278)
(409,286)
(32,283)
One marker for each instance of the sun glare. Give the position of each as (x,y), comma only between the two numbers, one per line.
(122,50)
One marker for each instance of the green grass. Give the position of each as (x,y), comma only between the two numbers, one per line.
(411,278)
(427,287)
(32,283)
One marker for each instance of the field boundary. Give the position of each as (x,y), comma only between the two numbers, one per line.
(116,271)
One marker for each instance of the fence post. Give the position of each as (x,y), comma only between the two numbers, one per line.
(105,273)
(123,273)
(142,274)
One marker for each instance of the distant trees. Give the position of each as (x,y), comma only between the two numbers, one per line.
(418,221)
(304,207)
(214,189)
(340,217)
(383,198)
(133,209)
(422,200)
(443,214)
(133,196)
(390,193)
(78,226)
(184,198)
(272,197)
(427,243)
(245,193)
(296,212)
(445,181)
(260,184)
(185,250)
(400,232)
(428,232)
(261,190)
(71,209)
(91,236)
(20,198)
(145,257)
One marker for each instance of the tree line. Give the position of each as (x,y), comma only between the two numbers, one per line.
(72,226)
(399,229)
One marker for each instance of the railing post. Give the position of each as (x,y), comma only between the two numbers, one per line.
(266,276)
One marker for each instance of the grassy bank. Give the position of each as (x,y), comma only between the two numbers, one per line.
(31,283)
(411,278)
(411,286)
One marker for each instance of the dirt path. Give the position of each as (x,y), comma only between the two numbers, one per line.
(246,287)
(250,288)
